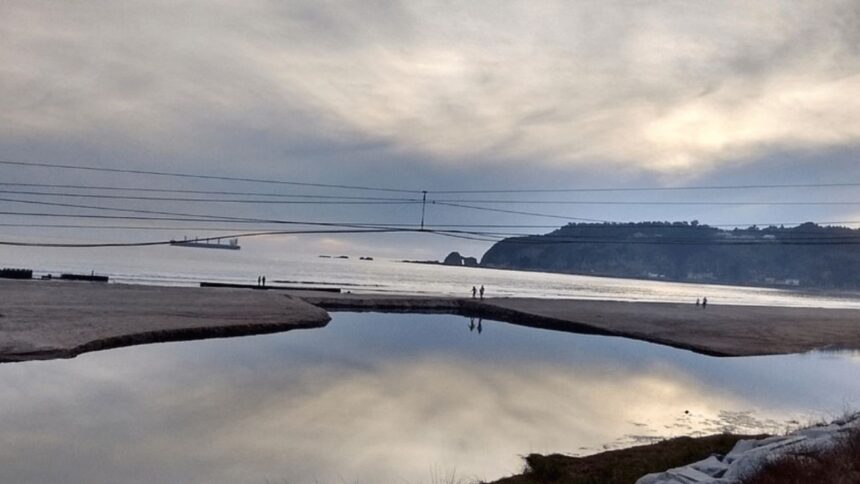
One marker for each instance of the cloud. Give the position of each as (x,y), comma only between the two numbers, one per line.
(388,421)
(661,87)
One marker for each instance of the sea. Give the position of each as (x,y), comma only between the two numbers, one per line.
(179,266)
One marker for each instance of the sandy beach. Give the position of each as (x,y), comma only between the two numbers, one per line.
(718,330)
(42,319)
(53,319)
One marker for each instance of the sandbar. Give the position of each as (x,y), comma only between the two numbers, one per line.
(719,330)
(61,319)
(54,319)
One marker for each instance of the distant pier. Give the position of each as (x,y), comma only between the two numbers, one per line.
(7,273)
(232,244)
(282,288)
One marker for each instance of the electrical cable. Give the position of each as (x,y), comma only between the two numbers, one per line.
(202,177)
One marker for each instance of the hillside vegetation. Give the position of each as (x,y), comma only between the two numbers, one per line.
(807,255)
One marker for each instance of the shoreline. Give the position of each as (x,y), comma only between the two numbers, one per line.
(719,330)
(807,290)
(802,291)
(53,319)
(42,320)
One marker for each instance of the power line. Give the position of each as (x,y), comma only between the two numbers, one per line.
(190,217)
(655,189)
(634,202)
(121,217)
(403,201)
(611,223)
(659,240)
(417,191)
(607,226)
(181,216)
(483,236)
(203,177)
(200,239)
(528,239)
(793,236)
(124,210)
(123,227)
(461,235)
(642,233)
(196,192)
(688,241)
(517,212)
(337,200)
(229,236)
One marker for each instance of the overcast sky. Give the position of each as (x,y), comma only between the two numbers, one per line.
(437,95)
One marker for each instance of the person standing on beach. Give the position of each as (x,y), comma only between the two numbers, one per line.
(259,281)
(474,292)
(697,302)
(704,303)
(264,281)
(482,291)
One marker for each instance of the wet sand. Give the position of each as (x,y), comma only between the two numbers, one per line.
(718,330)
(59,319)
(53,319)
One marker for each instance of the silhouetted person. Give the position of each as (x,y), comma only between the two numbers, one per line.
(480,328)
(482,291)
(474,292)
(704,303)
(698,301)
(264,281)
(471,324)
(259,281)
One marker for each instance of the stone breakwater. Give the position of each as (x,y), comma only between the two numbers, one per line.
(749,455)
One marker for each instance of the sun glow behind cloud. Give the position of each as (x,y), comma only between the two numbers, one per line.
(663,87)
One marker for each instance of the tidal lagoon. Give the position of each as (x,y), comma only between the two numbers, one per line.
(387,398)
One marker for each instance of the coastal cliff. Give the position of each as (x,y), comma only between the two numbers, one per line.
(807,255)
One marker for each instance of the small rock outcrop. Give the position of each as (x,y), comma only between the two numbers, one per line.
(749,455)
(455,259)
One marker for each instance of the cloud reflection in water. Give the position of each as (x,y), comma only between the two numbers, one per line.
(380,398)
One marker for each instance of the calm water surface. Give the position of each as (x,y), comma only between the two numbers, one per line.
(385,398)
(187,267)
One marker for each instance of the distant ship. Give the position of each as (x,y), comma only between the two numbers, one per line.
(232,244)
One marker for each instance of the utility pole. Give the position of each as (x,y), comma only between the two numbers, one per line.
(423,206)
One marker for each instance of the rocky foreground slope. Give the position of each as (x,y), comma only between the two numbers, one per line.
(748,456)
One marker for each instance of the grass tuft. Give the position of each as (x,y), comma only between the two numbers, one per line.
(622,466)
(839,465)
